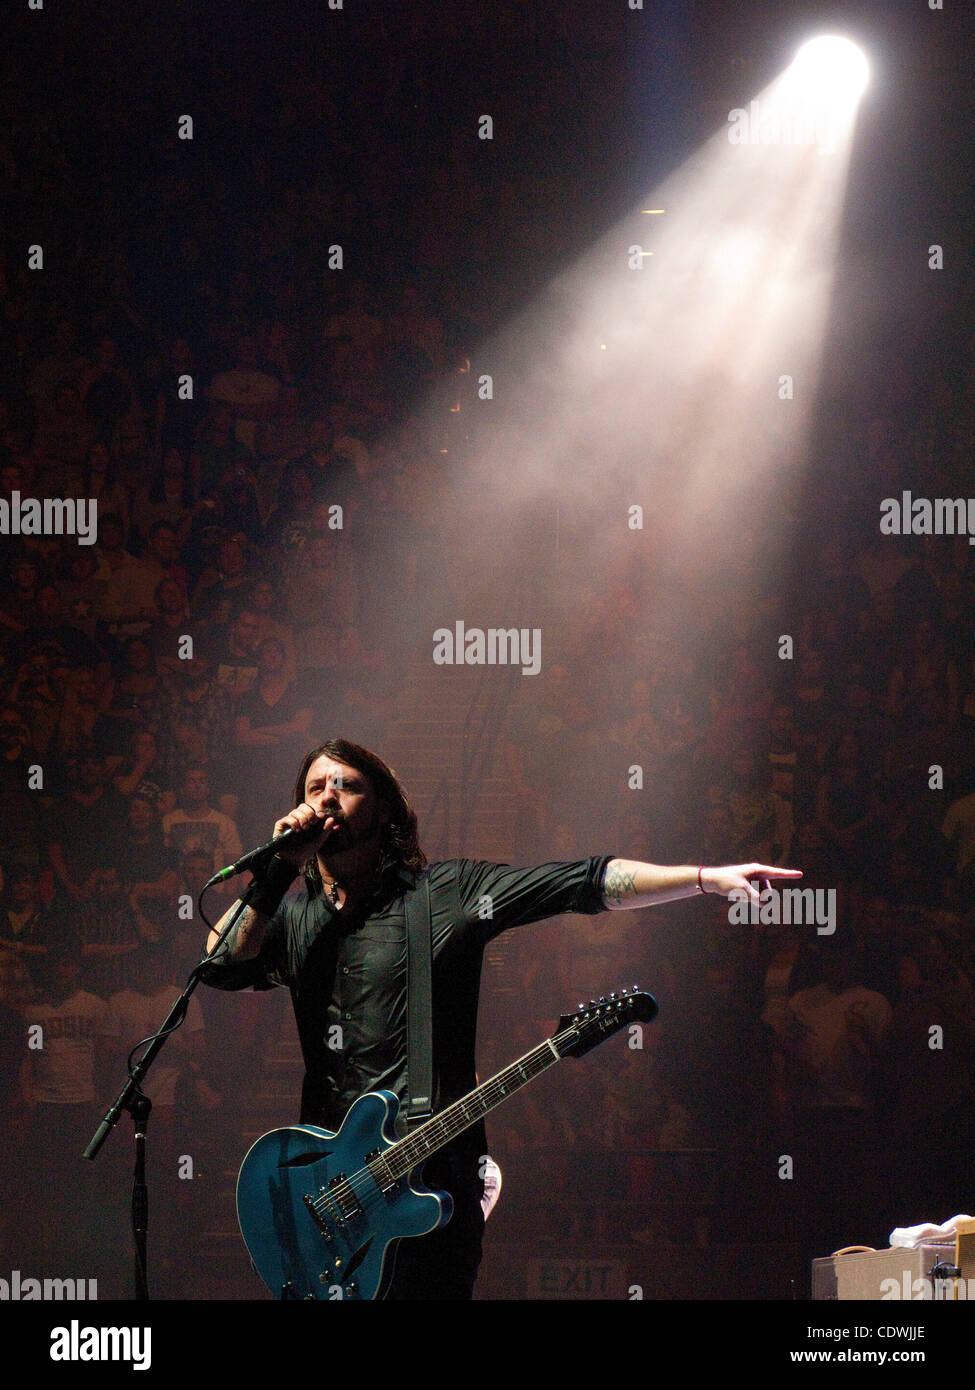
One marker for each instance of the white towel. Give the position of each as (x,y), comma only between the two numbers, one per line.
(912,1236)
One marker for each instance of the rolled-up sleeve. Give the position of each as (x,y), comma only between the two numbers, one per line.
(497,896)
(263,972)
(245,974)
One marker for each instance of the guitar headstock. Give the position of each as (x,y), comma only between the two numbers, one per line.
(600,1018)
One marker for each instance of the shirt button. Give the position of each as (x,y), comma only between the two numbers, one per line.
(345,970)
(348,1015)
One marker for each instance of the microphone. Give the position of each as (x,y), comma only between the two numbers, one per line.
(292,838)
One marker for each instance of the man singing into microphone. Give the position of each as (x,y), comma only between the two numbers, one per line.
(340,946)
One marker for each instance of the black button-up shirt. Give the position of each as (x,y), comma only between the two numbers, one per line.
(347,975)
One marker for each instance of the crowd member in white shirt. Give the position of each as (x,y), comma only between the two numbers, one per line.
(195,823)
(63,1075)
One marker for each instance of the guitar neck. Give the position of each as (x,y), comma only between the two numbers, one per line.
(407,1153)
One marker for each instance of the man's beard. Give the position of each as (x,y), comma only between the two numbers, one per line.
(344,839)
(340,839)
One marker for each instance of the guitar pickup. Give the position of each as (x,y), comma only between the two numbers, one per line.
(342,1193)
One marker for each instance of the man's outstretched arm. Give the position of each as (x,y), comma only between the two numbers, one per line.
(627,883)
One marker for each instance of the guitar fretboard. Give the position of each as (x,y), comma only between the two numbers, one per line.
(400,1158)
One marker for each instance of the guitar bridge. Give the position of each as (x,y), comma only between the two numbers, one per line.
(334,1205)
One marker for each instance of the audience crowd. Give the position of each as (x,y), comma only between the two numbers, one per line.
(269,509)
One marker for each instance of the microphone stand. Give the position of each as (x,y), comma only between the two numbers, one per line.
(139,1106)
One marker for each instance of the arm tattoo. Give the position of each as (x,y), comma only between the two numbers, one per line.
(617,882)
(245,925)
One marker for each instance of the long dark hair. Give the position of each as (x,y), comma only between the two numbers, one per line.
(399,843)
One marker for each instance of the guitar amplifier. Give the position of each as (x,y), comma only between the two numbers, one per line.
(881,1275)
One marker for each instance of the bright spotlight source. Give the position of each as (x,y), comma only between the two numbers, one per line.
(830,69)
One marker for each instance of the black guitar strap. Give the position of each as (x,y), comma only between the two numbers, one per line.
(419,1006)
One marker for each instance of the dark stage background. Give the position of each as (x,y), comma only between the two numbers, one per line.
(370,289)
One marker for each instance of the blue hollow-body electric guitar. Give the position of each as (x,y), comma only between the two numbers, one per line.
(321,1213)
